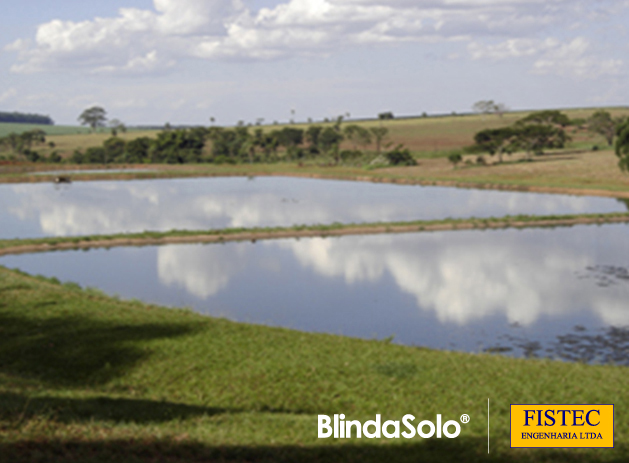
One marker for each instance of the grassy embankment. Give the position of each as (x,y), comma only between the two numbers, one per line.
(16,246)
(85,377)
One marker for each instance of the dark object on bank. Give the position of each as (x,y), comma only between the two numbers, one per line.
(63,179)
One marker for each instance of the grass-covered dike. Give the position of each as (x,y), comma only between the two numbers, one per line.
(18,246)
(86,377)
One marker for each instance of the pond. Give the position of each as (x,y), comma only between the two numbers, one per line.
(107,207)
(560,293)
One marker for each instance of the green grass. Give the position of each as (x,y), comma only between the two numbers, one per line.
(84,377)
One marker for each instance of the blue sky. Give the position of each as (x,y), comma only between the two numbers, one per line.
(184,61)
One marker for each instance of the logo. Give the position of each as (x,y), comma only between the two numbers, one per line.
(562,426)
(338,428)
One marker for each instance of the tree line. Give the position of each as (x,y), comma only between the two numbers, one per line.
(544,130)
(22,145)
(23,118)
(241,145)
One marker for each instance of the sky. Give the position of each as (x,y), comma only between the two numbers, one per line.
(185,61)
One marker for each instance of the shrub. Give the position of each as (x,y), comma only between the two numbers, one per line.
(400,157)
(455,158)
(54,157)
(348,155)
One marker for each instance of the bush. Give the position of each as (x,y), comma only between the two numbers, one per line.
(114,149)
(96,155)
(400,157)
(32,156)
(348,155)
(455,158)
(54,157)
(77,157)
(137,150)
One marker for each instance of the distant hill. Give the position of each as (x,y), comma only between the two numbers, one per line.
(23,118)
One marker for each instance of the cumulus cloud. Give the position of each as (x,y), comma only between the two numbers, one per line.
(151,40)
(575,57)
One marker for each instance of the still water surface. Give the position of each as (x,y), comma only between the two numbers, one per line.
(559,293)
(105,207)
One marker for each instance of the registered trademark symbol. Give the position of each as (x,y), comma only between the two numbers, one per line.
(465,419)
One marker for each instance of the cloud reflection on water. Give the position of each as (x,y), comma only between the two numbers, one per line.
(30,210)
(461,277)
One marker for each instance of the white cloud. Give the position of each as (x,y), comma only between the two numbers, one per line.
(575,57)
(512,48)
(8,95)
(146,41)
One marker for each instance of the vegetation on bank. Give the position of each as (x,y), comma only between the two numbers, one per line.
(622,145)
(8,246)
(544,130)
(86,377)
(365,143)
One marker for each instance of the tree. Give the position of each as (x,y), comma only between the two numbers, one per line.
(22,143)
(137,149)
(483,106)
(601,122)
(94,117)
(535,138)
(496,141)
(329,141)
(116,126)
(547,117)
(357,135)
(379,133)
(489,107)
(178,146)
(14,141)
(455,158)
(622,146)
(291,137)
(312,137)
(114,149)
(386,115)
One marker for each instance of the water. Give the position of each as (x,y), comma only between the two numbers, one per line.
(558,293)
(106,207)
